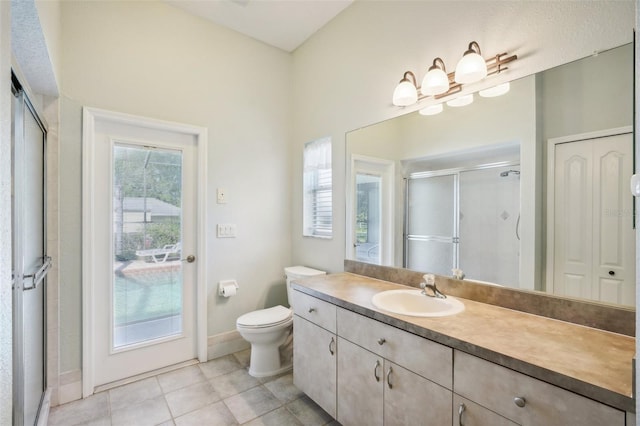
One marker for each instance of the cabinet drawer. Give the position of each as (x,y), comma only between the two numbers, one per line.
(315,310)
(422,356)
(496,388)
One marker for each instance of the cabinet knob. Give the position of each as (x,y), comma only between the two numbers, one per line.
(312,310)
(381,341)
(612,273)
(519,401)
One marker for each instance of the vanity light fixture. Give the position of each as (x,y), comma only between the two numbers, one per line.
(494,91)
(472,67)
(431,110)
(436,80)
(406,92)
(460,101)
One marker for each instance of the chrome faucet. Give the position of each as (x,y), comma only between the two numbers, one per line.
(430,283)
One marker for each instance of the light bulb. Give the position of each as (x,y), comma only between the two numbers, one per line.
(431,110)
(494,91)
(405,94)
(436,80)
(472,67)
(461,101)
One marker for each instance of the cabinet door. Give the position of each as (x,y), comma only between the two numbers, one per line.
(468,413)
(410,399)
(360,391)
(314,363)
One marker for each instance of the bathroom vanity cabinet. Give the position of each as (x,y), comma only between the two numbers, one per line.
(361,378)
(314,323)
(362,370)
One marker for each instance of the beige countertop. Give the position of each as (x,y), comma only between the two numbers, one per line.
(591,362)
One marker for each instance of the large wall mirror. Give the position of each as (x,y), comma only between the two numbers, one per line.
(528,190)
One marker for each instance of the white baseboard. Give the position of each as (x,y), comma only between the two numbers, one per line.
(225,343)
(70,386)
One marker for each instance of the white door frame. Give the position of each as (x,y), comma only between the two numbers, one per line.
(551,160)
(89,118)
(387,171)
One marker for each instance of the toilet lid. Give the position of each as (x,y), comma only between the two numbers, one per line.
(264,317)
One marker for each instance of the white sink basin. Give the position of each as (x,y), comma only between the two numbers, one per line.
(414,303)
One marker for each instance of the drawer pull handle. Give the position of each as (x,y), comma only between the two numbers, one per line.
(519,401)
(312,310)
(375,371)
(460,411)
(389,378)
(381,341)
(331,346)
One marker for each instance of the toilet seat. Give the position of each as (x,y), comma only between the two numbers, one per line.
(263,318)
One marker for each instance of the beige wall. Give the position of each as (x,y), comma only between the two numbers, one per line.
(49,13)
(154,60)
(345,74)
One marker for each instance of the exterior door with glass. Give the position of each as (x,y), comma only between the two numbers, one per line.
(143,250)
(371,219)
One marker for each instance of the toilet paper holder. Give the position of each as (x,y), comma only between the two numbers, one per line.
(226,283)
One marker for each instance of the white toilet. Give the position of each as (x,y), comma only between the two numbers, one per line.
(269,329)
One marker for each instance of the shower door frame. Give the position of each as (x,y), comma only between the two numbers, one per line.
(39,278)
(455,240)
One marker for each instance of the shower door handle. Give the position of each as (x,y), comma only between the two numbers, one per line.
(39,275)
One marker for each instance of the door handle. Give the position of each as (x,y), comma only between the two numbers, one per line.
(39,275)
(189,259)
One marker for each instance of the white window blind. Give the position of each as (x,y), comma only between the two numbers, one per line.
(317,203)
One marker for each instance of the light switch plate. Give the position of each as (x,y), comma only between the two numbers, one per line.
(226,230)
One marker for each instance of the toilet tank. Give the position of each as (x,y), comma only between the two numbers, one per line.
(297,272)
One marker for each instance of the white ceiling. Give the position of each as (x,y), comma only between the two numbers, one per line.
(285,24)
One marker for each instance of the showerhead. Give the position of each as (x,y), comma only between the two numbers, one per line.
(506,173)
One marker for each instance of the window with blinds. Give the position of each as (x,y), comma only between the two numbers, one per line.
(317,203)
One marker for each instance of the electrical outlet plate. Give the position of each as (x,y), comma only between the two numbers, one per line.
(221,196)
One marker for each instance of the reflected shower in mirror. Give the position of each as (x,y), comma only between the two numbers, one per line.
(527,190)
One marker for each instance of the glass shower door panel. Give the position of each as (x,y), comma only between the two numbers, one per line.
(436,257)
(33,252)
(432,206)
(490,211)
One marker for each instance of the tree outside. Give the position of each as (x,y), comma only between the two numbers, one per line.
(146,175)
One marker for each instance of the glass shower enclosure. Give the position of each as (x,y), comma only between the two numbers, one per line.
(453,215)
(29,259)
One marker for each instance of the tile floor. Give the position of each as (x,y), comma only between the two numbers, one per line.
(219,392)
